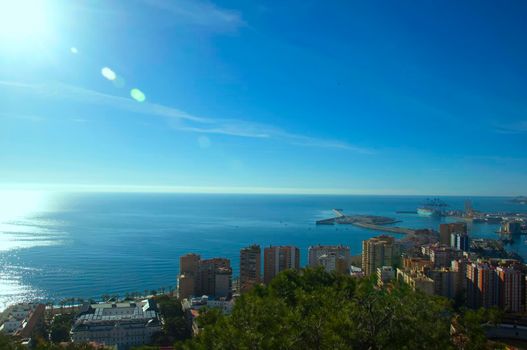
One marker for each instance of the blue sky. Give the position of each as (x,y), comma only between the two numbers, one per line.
(300,96)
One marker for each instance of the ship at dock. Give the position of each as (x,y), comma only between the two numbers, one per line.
(431,207)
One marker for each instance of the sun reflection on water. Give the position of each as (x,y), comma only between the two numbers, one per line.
(20,228)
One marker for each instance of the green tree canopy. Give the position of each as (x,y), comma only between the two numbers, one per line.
(312,309)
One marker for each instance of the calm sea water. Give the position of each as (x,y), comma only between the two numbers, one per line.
(55,246)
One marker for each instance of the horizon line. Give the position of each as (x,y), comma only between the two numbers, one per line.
(84,188)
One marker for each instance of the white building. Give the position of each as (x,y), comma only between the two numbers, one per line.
(198,303)
(356,271)
(18,316)
(11,325)
(123,325)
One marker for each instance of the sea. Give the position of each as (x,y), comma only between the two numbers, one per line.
(60,245)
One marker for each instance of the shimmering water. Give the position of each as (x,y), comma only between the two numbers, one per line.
(55,246)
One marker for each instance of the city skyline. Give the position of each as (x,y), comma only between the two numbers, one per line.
(236,97)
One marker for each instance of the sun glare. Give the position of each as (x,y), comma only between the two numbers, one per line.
(17,204)
(23,22)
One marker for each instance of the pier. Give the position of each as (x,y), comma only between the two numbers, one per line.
(371,222)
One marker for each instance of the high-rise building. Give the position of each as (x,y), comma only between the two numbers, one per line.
(442,256)
(460,241)
(460,265)
(208,271)
(278,259)
(189,264)
(482,288)
(510,289)
(331,257)
(445,282)
(250,267)
(186,286)
(445,230)
(222,282)
(188,280)
(378,252)
(212,277)
(488,286)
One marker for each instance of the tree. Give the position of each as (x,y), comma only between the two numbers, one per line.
(60,328)
(312,309)
(175,326)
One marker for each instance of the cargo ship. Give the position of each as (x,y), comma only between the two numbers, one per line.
(431,207)
(427,211)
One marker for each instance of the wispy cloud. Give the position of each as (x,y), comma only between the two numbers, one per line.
(178,119)
(200,13)
(28,117)
(512,128)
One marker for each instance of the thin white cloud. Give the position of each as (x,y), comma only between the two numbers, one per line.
(200,13)
(178,119)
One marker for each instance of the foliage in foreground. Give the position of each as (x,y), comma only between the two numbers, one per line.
(312,309)
(175,326)
(8,343)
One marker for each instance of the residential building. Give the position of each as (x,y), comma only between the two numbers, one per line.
(333,262)
(338,253)
(186,285)
(482,288)
(378,252)
(23,319)
(204,301)
(445,282)
(11,325)
(445,230)
(460,266)
(122,325)
(510,289)
(215,277)
(189,264)
(250,267)
(188,280)
(460,241)
(417,280)
(417,263)
(278,259)
(223,282)
(441,255)
(384,275)
(204,277)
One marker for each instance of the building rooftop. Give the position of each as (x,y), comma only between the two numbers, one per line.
(124,313)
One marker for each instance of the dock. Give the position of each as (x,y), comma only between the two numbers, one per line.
(392,229)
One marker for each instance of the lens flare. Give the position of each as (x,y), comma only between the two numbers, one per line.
(108,73)
(137,95)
